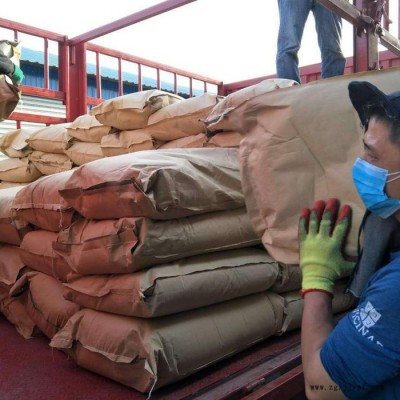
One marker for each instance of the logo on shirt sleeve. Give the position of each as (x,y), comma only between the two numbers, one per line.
(369,316)
(364,318)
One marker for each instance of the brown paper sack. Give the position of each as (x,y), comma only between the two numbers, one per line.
(294,305)
(148,354)
(178,286)
(9,97)
(132,111)
(51,139)
(50,163)
(41,204)
(14,310)
(219,118)
(189,142)
(11,265)
(131,244)
(14,143)
(300,145)
(11,230)
(181,119)
(6,184)
(19,170)
(125,142)
(160,184)
(86,128)
(36,251)
(84,152)
(42,296)
(289,279)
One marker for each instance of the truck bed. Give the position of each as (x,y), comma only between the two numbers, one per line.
(31,369)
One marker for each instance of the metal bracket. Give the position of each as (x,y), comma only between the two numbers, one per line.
(367,23)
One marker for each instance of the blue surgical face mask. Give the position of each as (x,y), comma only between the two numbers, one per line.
(370,182)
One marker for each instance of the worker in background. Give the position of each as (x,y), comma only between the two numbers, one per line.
(7,67)
(360,357)
(293,15)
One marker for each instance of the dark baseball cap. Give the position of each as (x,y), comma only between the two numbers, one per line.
(365,95)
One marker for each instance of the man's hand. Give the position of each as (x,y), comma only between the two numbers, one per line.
(17,75)
(321,242)
(7,67)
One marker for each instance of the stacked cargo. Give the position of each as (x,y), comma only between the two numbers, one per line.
(145,267)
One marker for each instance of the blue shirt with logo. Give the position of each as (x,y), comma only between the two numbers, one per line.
(362,354)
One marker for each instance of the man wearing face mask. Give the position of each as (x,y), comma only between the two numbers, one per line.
(360,357)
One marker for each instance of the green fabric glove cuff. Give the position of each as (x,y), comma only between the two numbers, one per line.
(17,75)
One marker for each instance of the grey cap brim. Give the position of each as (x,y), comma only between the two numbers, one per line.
(364,93)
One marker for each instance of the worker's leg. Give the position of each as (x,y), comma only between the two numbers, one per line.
(329,30)
(293,16)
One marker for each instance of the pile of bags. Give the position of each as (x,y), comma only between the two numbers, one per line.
(146,265)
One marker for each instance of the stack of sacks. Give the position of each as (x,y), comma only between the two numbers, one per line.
(220,124)
(87,133)
(35,213)
(17,168)
(128,115)
(180,125)
(12,230)
(41,205)
(146,354)
(49,145)
(42,297)
(11,266)
(165,237)
(292,155)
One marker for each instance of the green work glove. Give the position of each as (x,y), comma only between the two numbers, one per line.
(17,75)
(321,243)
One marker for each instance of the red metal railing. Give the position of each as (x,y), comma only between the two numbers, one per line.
(72,74)
(72,66)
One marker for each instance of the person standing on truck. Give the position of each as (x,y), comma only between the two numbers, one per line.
(359,358)
(293,15)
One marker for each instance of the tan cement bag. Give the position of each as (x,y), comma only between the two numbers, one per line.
(42,296)
(9,97)
(14,143)
(125,142)
(51,139)
(86,128)
(189,142)
(37,253)
(132,111)
(11,230)
(148,354)
(294,305)
(162,184)
(6,184)
(50,163)
(219,119)
(84,152)
(181,119)
(11,265)
(289,279)
(131,244)
(41,204)
(14,310)
(300,145)
(225,139)
(18,170)
(178,286)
